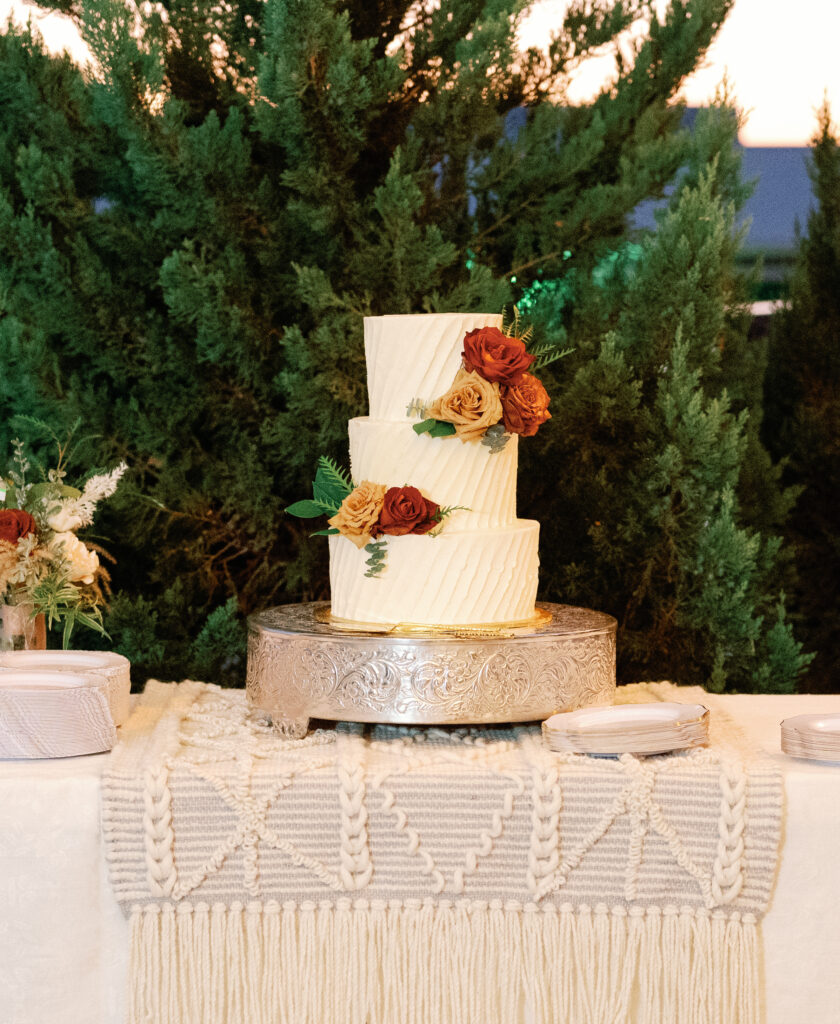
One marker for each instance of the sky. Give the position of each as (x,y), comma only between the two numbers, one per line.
(780,60)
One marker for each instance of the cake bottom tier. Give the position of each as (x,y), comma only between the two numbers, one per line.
(459,578)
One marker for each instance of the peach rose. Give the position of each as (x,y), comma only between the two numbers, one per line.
(525,406)
(495,356)
(359,512)
(471,405)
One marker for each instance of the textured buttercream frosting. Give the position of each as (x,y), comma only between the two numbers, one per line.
(483,565)
(457,578)
(452,473)
(415,357)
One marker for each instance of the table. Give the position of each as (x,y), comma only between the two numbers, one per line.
(63,940)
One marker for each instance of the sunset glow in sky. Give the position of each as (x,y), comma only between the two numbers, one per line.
(780,59)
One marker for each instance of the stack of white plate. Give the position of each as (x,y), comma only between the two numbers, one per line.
(628,729)
(816,737)
(61,703)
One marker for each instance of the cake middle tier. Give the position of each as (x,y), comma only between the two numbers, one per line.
(446,470)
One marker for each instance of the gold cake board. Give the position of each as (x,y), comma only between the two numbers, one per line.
(303,664)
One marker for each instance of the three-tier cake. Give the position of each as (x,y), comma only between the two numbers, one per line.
(433,578)
(481,567)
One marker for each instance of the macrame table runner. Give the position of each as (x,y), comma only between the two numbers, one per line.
(393,875)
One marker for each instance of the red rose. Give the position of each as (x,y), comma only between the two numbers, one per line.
(15,523)
(524,406)
(494,356)
(406,511)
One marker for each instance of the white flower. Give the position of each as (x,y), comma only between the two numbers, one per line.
(104,485)
(83,563)
(65,519)
(97,488)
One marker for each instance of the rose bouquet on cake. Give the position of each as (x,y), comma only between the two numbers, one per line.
(44,566)
(496,392)
(367,513)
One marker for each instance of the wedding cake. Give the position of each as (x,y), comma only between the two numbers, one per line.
(470,562)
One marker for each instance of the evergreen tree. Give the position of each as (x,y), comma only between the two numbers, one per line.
(655,441)
(191,236)
(803,407)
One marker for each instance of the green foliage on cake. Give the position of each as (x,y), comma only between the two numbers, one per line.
(802,421)
(189,243)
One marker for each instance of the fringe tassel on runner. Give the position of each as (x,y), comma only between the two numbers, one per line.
(414,962)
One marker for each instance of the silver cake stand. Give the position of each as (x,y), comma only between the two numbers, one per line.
(304,664)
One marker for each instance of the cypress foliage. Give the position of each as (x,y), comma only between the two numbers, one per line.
(655,443)
(191,237)
(803,407)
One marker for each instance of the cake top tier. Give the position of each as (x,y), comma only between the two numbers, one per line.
(415,356)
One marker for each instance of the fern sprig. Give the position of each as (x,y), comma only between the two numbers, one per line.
(338,476)
(547,353)
(443,513)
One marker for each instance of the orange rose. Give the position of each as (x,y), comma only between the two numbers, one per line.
(494,356)
(405,510)
(524,406)
(359,512)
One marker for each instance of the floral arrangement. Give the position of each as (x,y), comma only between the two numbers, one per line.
(42,561)
(366,513)
(494,394)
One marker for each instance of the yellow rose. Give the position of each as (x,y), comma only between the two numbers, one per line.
(471,405)
(359,512)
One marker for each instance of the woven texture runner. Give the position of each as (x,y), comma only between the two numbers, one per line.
(381,875)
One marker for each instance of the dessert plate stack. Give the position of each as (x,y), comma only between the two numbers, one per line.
(61,703)
(816,737)
(628,729)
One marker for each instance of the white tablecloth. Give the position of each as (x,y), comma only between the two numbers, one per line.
(63,940)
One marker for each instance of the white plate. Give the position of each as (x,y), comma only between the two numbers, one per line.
(629,729)
(821,725)
(814,737)
(70,661)
(636,716)
(100,664)
(30,681)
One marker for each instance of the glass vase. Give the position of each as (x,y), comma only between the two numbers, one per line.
(20,630)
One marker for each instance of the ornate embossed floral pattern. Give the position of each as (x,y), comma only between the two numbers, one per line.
(571,664)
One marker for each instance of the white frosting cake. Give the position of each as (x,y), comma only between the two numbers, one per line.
(482,567)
